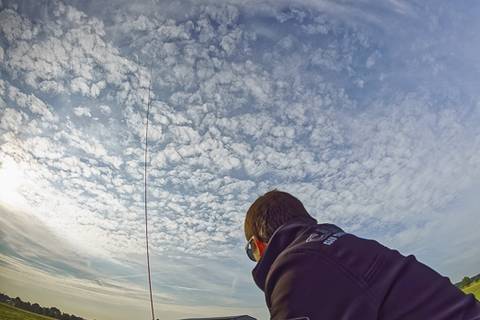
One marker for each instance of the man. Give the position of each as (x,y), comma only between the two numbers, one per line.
(316,271)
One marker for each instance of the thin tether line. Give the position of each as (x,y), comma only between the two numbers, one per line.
(145,193)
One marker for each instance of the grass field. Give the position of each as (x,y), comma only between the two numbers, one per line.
(473,288)
(8,312)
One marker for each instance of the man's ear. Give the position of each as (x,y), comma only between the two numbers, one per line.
(260,245)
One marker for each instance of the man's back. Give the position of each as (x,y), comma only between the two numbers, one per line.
(320,272)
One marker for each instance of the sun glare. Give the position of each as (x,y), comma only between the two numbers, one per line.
(11,180)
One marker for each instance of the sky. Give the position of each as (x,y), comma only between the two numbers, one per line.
(367,111)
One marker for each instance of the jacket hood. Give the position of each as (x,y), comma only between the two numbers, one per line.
(280,240)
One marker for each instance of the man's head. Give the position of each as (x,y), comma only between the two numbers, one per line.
(267,214)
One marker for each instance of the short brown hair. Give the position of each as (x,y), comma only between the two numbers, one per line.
(270,211)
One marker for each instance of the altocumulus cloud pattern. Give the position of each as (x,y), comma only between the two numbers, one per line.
(367,111)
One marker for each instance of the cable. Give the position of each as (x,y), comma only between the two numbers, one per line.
(145,192)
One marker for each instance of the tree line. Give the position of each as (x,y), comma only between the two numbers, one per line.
(466,281)
(36,308)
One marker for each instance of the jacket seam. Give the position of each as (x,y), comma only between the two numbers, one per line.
(372,268)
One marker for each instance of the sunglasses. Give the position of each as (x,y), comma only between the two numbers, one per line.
(249,248)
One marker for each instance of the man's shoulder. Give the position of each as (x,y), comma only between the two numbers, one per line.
(317,239)
(327,246)
(312,262)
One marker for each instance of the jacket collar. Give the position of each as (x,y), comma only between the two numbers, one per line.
(281,239)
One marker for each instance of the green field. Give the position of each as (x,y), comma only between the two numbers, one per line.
(8,312)
(473,288)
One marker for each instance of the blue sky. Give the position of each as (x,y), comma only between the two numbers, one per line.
(367,111)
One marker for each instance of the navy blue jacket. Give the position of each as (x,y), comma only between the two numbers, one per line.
(315,271)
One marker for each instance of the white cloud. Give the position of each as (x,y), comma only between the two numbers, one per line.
(15,27)
(80,85)
(32,103)
(10,120)
(105,109)
(82,112)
